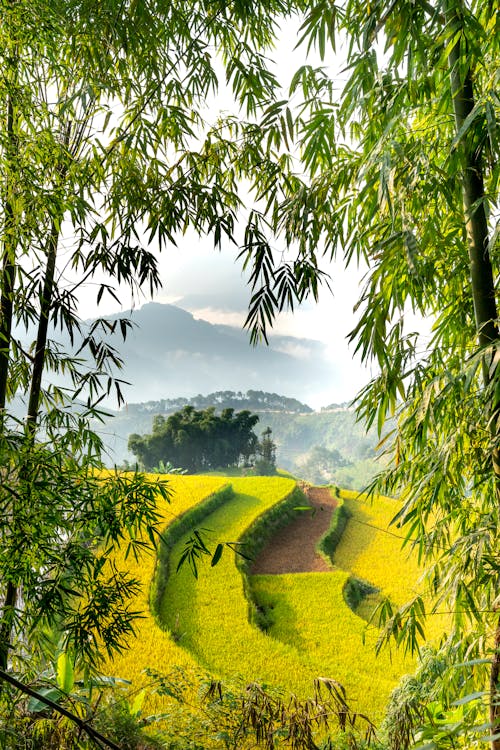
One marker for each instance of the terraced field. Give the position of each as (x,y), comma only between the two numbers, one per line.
(205,622)
(152,647)
(371,550)
(209,615)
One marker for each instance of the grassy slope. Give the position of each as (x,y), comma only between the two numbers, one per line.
(309,610)
(372,551)
(314,632)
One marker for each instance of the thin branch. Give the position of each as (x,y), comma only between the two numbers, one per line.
(82,723)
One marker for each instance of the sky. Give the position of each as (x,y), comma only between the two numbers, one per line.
(218,292)
(212,285)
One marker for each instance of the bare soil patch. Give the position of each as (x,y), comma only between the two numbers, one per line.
(292,549)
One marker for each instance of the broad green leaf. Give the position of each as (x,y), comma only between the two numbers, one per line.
(65,672)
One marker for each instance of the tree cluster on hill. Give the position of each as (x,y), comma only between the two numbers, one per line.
(198,440)
(300,435)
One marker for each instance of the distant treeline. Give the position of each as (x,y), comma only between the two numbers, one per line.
(324,447)
(237,400)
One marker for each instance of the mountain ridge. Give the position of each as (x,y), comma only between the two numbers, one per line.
(169,351)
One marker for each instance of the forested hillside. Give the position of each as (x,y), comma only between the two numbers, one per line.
(253,400)
(320,446)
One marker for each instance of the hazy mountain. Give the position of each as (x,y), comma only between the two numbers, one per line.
(170,356)
(170,353)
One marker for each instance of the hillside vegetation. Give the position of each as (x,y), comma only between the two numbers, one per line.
(323,447)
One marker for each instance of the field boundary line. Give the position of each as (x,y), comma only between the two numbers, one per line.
(173,532)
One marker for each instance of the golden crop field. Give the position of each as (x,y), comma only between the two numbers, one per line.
(313,632)
(209,615)
(370,549)
(310,612)
(152,647)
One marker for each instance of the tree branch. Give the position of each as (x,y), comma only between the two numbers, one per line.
(82,723)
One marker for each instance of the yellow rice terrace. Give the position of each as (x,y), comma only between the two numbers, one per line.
(204,613)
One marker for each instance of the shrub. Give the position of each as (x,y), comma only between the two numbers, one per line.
(121,721)
(329,542)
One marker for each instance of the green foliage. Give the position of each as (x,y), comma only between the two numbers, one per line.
(328,543)
(356,591)
(103,139)
(243,715)
(296,431)
(198,440)
(266,450)
(121,720)
(63,518)
(401,172)
(167,468)
(104,150)
(423,708)
(96,714)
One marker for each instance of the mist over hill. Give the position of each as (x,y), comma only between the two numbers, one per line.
(169,353)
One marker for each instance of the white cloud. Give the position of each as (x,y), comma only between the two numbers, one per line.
(233,318)
(299,351)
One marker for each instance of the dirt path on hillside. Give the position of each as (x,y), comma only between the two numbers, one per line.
(292,549)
